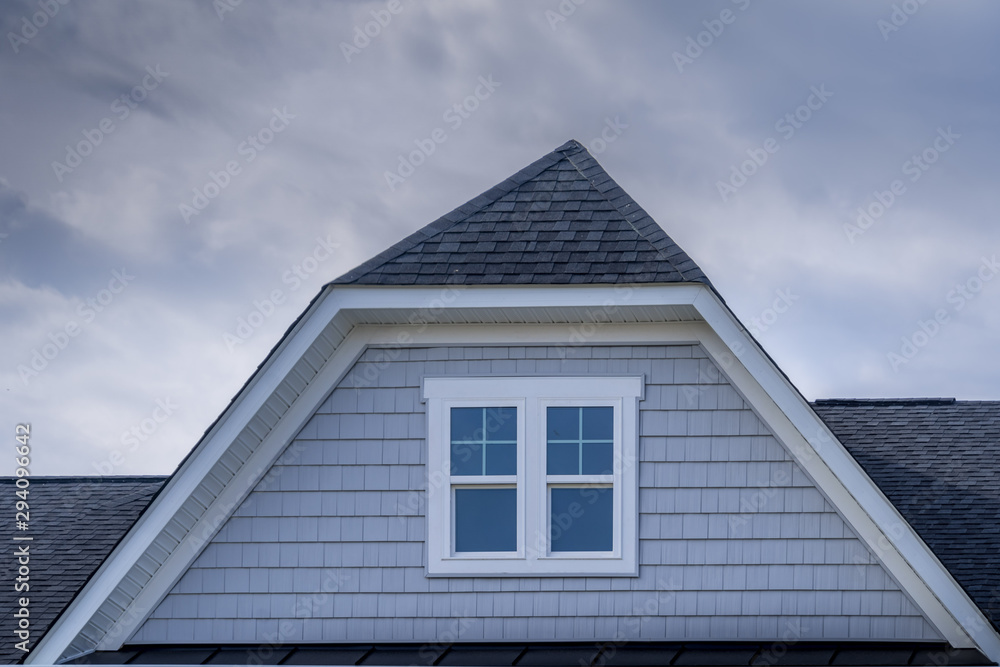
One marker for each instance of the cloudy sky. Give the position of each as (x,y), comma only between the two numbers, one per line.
(166,167)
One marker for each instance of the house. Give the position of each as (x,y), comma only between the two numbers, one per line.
(532,433)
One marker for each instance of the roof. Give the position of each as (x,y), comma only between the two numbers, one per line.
(538,654)
(560,220)
(938,462)
(75,522)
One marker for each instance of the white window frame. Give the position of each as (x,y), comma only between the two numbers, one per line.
(531,395)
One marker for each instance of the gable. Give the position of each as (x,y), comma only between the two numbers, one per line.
(347,318)
(736,542)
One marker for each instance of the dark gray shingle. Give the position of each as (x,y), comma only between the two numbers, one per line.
(938,461)
(75,522)
(560,220)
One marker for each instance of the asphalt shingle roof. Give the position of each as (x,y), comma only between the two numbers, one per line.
(938,461)
(75,522)
(560,220)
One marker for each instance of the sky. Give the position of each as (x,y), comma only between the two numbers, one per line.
(169,169)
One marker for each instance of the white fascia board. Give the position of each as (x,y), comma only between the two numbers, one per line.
(238,488)
(182,484)
(863,504)
(522,296)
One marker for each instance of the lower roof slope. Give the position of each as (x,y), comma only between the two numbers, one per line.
(938,461)
(74,524)
(560,220)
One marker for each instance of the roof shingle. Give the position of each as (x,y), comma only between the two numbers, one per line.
(938,461)
(75,523)
(561,219)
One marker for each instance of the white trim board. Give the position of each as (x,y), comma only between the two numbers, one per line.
(782,408)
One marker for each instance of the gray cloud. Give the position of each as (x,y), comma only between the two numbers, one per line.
(323,177)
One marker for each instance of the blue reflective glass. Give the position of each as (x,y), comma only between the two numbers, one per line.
(485,520)
(582,519)
(501,424)
(501,459)
(466,424)
(598,458)
(466,458)
(562,458)
(484,441)
(598,423)
(562,423)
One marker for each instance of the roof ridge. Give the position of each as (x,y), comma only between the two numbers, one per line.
(111,479)
(635,215)
(888,401)
(460,213)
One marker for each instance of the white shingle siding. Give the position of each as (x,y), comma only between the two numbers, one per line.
(332,539)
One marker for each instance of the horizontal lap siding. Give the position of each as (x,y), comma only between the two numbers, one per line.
(735,541)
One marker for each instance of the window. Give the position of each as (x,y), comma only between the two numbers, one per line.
(532,475)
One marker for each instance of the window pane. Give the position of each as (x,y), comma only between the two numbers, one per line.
(582,519)
(466,424)
(484,441)
(563,423)
(485,520)
(466,458)
(598,423)
(562,459)
(501,424)
(598,458)
(501,459)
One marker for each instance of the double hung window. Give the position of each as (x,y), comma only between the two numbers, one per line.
(532,475)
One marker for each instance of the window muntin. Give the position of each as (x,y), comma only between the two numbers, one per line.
(579,440)
(577,518)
